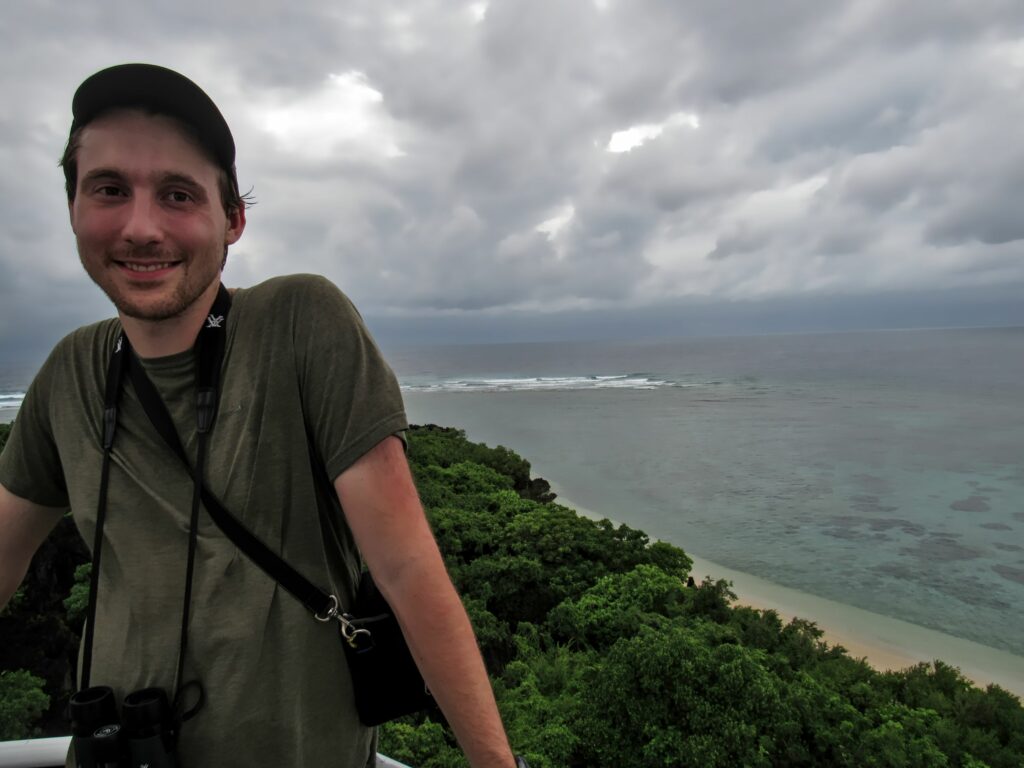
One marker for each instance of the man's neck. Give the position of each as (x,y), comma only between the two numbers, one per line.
(160,338)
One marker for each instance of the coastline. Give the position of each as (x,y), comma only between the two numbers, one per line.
(884,642)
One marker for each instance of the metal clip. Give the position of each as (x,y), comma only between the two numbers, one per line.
(350,632)
(332,612)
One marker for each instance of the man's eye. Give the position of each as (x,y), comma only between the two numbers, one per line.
(108,190)
(177,196)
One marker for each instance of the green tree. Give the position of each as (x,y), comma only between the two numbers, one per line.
(618,605)
(712,599)
(538,696)
(426,744)
(22,701)
(680,696)
(463,484)
(77,601)
(902,738)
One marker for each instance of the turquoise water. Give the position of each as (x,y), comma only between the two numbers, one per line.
(881,470)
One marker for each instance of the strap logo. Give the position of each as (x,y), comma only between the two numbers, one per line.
(120,343)
(215,321)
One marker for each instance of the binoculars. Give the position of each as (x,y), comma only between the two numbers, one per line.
(145,735)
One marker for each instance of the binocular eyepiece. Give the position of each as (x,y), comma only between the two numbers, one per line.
(143,736)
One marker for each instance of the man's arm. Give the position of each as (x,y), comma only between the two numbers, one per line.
(384,512)
(23,527)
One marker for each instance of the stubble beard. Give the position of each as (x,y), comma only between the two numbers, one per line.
(188,288)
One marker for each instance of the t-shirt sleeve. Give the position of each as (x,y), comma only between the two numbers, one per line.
(351,398)
(30,465)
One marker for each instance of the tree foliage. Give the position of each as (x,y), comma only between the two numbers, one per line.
(602,652)
(77,601)
(22,701)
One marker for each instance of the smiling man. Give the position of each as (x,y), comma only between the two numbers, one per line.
(154,205)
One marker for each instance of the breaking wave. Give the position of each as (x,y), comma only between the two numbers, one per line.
(541,383)
(11,399)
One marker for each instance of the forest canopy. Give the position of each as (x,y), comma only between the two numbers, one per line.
(602,650)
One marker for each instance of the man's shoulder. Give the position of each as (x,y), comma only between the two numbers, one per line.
(288,286)
(89,339)
(298,296)
(80,355)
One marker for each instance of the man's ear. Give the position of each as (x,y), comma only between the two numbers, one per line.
(71,214)
(236,225)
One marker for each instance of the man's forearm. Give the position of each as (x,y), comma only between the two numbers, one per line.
(387,520)
(444,646)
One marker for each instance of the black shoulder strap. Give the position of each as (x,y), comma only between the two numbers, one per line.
(280,571)
(112,394)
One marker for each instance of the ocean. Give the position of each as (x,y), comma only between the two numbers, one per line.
(881,470)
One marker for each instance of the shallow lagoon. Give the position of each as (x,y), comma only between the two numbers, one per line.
(878,470)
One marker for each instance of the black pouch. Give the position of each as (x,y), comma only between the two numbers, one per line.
(385,678)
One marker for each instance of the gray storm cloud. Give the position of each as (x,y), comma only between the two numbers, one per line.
(456,160)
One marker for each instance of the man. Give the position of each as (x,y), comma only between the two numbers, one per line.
(154,205)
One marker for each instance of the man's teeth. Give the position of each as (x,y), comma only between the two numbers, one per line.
(148,267)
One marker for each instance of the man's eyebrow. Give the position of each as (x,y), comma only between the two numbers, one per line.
(183,180)
(102,173)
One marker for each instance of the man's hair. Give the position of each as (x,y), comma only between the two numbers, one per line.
(227,179)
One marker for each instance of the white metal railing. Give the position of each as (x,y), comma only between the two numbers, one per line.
(34,753)
(50,753)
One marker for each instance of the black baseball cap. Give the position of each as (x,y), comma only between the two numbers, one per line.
(162,90)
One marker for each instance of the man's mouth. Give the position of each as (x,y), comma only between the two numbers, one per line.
(135,266)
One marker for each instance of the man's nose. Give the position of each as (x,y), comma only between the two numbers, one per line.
(142,226)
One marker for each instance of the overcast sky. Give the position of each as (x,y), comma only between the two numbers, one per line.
(580,168)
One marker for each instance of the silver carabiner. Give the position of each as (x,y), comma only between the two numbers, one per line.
(332,612)
(350,632)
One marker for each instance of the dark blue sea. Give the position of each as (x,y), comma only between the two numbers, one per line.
(882,470)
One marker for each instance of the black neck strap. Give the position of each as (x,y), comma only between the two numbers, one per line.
(112,396)
(209,350)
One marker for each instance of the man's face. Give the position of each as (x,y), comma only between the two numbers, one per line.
(147,215)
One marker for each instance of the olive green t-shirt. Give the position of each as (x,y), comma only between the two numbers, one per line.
(297,358)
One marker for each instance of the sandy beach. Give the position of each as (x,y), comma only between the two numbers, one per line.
(885,643)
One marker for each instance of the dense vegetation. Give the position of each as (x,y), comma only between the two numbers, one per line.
(602,651)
